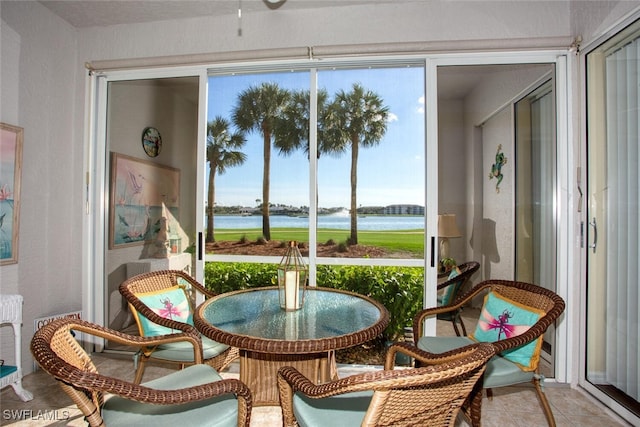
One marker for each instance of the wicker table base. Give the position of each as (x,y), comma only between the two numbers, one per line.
(259,371)
(270,338)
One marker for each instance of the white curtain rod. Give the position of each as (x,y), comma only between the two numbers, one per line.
(333,51)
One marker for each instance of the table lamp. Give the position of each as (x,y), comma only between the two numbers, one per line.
(447,229)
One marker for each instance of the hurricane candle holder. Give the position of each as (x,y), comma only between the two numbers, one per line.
(292,278)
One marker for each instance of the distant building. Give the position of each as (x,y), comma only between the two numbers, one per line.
(404,210)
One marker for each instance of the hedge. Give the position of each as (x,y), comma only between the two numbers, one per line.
(399,289)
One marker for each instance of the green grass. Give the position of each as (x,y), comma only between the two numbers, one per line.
(406,240)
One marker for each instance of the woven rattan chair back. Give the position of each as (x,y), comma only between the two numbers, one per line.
(467,269)
(431,395)
(158,281)
(527,294)
(56,350)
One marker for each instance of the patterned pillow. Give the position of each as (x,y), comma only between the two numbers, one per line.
(170,303)
(503,318)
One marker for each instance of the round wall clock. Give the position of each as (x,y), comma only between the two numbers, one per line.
(151,141)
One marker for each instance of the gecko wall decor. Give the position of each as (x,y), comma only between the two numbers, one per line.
(496,168)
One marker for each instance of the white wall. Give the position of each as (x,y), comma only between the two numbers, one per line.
(39,57)
(45,93)
(370,23)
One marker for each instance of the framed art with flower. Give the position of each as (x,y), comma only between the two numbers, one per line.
(142,192)
(11,138)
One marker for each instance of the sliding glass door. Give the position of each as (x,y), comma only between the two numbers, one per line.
(613,248)
(340,168)
(499,123)
(354,160)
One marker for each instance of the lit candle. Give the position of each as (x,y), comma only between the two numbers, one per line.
(291,290)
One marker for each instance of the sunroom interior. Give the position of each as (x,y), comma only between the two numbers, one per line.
(510,84)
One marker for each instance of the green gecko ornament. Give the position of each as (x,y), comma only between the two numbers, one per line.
(496,168)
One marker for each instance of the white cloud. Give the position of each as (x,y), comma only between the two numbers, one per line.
(420,108)
(391,117)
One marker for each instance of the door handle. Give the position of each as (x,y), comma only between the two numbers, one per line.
(595,234)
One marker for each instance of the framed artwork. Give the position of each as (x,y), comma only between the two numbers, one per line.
(11,138)
(142,192)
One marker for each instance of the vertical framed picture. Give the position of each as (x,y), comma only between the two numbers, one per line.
(11,138)
(142,192)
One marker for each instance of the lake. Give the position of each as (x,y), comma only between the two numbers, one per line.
(337,221)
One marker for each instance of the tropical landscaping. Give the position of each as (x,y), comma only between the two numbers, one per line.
(352,120)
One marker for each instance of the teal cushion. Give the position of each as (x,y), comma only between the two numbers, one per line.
(344,410)
(451,290)
(502,318)
(170,303)
(6,370)
(500,372)
(219,411)
(183,351)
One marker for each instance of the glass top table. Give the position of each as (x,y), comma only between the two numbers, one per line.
(328,320)
(269,337)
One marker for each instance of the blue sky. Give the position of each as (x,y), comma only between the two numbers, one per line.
(391,172)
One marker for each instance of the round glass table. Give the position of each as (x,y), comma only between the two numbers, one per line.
(269,337)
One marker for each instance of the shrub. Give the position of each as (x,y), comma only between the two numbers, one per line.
(399,289)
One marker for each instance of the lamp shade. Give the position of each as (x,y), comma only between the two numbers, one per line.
(447,226)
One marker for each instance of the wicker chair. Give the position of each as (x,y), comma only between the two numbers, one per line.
(450,289)
(430,395)
(501,370)
(193,395)
(215,354)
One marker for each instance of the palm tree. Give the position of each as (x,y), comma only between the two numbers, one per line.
(259,109)
(355,119)
(293,131)
(221,154)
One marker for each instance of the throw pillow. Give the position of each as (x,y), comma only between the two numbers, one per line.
(451,290)
(503,318)
(169,303)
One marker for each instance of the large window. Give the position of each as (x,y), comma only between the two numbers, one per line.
(345,178)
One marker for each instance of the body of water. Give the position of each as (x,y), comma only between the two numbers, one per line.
(339,222)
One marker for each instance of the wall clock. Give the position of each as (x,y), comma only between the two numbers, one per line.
(151,141)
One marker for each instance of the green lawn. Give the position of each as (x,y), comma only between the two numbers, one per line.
(406,240)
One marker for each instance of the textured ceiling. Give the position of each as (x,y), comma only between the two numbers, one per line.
(90,13)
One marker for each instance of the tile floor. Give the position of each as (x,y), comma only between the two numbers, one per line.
(511,406)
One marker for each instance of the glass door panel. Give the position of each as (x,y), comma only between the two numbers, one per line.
(612,347)
(496,130)
(371,180)
(535,226)
(144,186)
(257,174)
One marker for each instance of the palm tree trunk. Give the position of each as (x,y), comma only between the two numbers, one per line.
(354,185)
(266,227)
